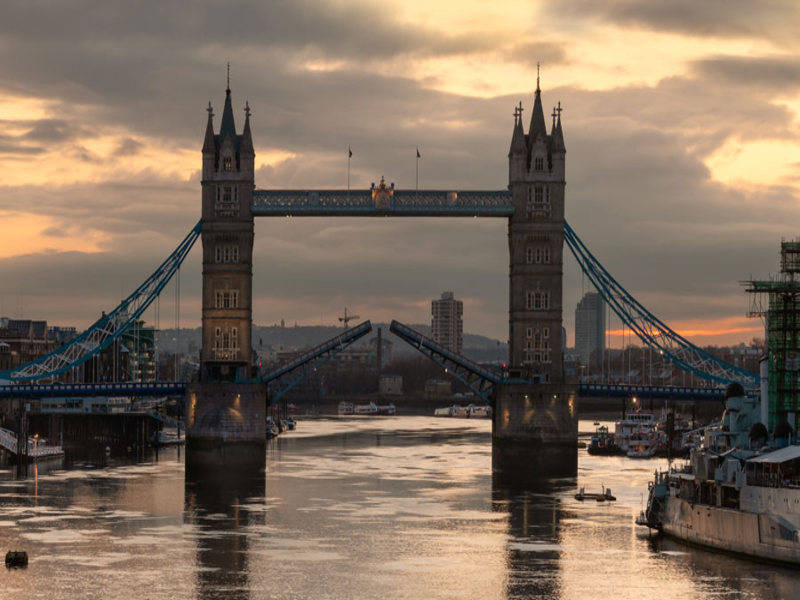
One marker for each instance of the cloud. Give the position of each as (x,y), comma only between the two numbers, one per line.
(763,75)
(768,19)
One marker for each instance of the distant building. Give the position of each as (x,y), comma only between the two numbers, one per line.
(438,388)
(390,385)
(25,340)
(590,329)
(446,326)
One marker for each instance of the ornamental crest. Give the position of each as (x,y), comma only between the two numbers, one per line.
(382,196)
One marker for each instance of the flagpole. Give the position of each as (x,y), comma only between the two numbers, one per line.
(416,189)
(349,156)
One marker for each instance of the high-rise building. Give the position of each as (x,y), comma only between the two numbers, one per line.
(536,178)
(590,329)
(446,326)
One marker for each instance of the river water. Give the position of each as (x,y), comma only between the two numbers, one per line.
(385,508)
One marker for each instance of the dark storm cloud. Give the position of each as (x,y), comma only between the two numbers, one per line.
(128,147)
(765,75)
(770,19)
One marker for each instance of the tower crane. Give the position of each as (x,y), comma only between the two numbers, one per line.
(347,318)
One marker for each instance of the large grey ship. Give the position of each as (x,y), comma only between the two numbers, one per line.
(739,492)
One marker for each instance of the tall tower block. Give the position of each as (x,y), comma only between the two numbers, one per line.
(536,178)
(227,408)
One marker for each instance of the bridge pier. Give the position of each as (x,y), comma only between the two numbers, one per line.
(535,429)
(226,426)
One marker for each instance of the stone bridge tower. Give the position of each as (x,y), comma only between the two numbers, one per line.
(227,184)
(536,178)
(227,408)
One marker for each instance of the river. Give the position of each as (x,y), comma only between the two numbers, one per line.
(403,507)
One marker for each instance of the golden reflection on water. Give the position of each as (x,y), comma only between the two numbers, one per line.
(387,508)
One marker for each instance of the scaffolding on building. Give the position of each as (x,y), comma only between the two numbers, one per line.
(777,301)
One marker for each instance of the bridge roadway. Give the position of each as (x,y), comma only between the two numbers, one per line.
(178,388)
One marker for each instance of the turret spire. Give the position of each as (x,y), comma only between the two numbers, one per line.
(208,142)
(228,87)
(558,135)
(247,138)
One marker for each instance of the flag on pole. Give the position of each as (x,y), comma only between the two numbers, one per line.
(350,152)
(418,154)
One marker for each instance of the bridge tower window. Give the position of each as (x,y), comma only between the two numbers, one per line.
(226,299)
(538,163)
(227,163)
(537,300)
(226,254)
(529,254)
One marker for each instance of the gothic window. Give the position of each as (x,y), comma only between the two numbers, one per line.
(226,299)
(537,300)
(217,332)
(234,332)
(528,352)
(529,255)
(226,254)
(529,332)
(227,163)
(539,194)
(538,163)
(546,255)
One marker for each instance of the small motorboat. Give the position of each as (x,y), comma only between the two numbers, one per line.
(16,559)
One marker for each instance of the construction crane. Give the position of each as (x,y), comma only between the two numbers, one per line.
(347,318)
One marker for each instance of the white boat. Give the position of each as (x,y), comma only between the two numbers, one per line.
(366,409)
(632,422)
(643,442)
(465,412)
(346,408)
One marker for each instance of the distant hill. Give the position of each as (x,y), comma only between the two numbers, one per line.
(187,341)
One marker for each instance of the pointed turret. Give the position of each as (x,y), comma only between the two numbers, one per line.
(518,145)
(247,138)
(558,135)
(538,125)
(208,142)
(518,153)
(228,127)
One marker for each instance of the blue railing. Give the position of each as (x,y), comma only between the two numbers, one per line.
(59,390)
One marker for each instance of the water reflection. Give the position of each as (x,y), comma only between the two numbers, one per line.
(219,506)
(533,506)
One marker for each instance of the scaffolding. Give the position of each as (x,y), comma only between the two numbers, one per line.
(782,329)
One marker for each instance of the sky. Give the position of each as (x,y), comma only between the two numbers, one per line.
(680,120)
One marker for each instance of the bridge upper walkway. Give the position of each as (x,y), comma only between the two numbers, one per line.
(397,203)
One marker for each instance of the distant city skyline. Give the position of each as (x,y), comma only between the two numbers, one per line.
(683,155)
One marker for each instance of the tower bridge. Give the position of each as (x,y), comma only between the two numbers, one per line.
(534,407)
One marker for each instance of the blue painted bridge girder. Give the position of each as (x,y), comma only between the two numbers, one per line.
(654,392)
(479,379)
(364,203)
(285,377)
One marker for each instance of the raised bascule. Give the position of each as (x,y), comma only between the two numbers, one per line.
(535,416)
